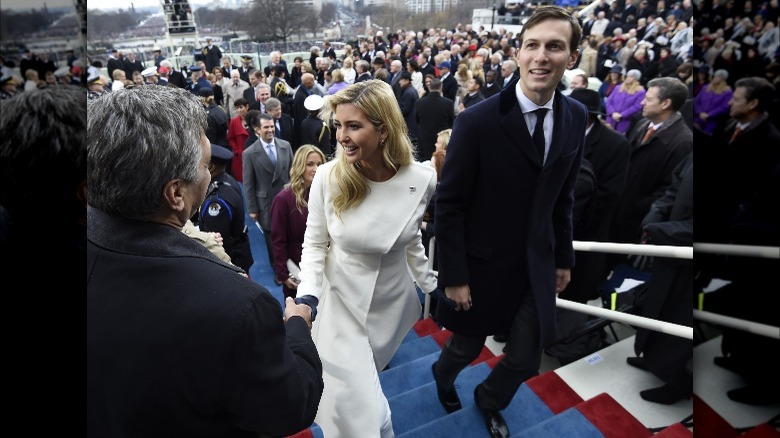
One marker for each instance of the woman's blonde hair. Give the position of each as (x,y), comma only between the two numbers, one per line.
(377,101)
(337,75)
(438,155)
(297,170)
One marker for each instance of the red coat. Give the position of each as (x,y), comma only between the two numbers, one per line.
(237,136)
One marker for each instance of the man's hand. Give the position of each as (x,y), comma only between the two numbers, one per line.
(460,295)
(291,309)
(562,279)
(253,216)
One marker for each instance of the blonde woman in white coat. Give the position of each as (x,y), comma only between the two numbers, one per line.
(362,254)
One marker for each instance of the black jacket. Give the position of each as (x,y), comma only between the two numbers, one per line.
(180,344)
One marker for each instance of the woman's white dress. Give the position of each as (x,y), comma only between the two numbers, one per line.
(363,269)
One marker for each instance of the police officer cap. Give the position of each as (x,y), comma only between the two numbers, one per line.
(314,102)
(196,68)
(220,154)
(206,92)
(246,57)
(149,71)
(62,71)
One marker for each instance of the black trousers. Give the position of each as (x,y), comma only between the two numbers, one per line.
(523,356)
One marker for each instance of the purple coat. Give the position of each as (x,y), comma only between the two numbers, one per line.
(625,104)
(287,228)
(714,105)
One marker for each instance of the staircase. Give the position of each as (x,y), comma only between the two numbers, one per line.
(544,406)
(596,396)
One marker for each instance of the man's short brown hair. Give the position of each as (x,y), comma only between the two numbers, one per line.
(543,13)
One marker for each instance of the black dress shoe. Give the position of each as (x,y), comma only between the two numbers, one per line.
(448,399)
(637,362)
(665,395)
(496,425)
(728,363)
(499,338)
(754,395)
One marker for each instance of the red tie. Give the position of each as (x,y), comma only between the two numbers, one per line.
(649,133)
(736,133)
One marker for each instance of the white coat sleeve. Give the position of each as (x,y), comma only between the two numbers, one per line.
(421,270)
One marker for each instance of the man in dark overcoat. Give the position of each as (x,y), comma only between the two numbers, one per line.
(434,113)
(504,218)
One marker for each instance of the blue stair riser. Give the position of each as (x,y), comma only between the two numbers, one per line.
(525,410)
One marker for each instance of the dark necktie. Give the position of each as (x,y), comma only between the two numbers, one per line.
(737,132)
(539,131)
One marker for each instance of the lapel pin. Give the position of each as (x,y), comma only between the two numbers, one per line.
(412,189)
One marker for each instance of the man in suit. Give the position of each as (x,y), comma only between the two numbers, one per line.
(658,143)
(255,79)
(525,146)
(508,73)
(228,67)
(299,111)
(188,307)
(434,114)
(473,95)
(275,58)
(175,77)
(363,69)
(266,169)
(449,85)
(407,100)
(131,64)
(283,122)
(491,86)
(262,94)
(114,62)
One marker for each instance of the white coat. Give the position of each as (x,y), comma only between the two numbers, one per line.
(362,269)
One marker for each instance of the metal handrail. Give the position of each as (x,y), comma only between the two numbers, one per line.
(739,324)
(682,252)
(628,318)
(768,252)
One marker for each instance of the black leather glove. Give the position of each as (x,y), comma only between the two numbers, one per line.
(310,301)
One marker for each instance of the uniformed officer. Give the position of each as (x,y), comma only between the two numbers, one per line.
(246,66)
(223,209)
(150,75)
(198,80)
(95,86)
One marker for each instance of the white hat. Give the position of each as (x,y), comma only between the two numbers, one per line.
(314,102)
(62,71)
(149,71)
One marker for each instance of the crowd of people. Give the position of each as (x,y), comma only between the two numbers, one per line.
(337,147)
